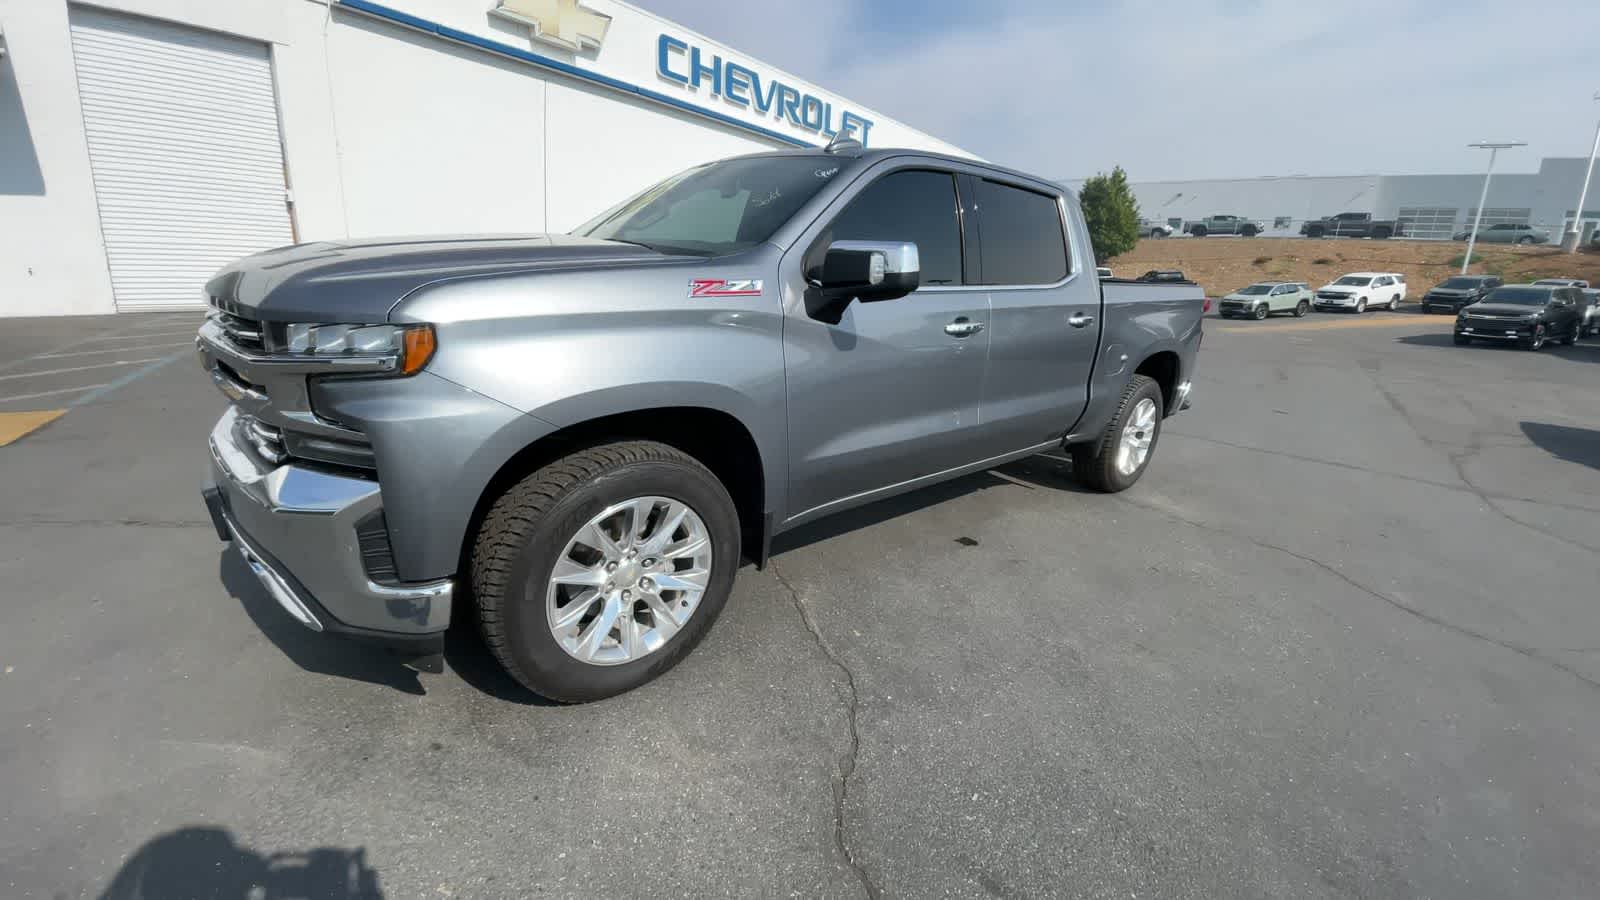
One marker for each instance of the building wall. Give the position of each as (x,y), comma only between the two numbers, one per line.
(390,129)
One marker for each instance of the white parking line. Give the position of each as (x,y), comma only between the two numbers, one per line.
(75,390)
(106,350)
(120,362)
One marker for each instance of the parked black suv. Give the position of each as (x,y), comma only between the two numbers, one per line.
(1462,290)
(1527,314)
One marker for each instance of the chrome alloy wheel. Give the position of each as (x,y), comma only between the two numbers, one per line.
(1137,436)
(628,580)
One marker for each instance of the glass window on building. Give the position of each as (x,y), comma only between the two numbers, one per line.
(1500,216)
(1430,223)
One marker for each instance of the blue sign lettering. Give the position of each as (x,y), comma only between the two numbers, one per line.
(680,63)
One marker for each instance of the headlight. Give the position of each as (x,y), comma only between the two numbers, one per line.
(412,344)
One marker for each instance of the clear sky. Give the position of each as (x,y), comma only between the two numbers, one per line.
(1197,88)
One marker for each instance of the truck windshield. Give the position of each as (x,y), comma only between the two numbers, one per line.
(1518,296)
(1354,280)
(716,209)
(1257,289)
(1461,284)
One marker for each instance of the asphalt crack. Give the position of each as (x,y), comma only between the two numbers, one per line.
(1458,460)
(847,761)
(1522,649)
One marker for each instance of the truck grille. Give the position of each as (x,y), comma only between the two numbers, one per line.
(1332,295)
(264,439)
(242,333)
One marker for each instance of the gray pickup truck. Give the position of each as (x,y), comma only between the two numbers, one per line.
(575,439)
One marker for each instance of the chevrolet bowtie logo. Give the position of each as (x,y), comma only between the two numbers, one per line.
(565,23)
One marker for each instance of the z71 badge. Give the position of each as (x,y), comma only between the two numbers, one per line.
(723,287)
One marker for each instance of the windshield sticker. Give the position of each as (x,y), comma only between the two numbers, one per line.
(764,201)
(827,173)
(722,287)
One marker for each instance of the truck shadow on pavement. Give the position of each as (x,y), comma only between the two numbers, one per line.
(313,651)
(206,861)
(1579,445)
(1583,351)
(1049,471)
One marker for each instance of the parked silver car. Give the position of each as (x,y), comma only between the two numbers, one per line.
(1265,298)
(1508,233)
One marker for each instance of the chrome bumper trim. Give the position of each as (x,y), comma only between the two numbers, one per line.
(283,516)
(270,578)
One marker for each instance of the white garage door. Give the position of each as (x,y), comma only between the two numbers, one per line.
(183,138)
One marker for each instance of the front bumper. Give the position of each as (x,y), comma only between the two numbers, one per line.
(296,527)
(1496,331)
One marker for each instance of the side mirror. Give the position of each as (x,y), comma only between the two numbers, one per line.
(869,271)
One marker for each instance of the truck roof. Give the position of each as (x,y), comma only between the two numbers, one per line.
(859,157)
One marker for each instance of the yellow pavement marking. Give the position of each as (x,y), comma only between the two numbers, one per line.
(15,425)
(1353,322)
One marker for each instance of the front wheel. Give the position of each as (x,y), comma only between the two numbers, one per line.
(1301,309)
(1117,460)
(1535,343)
(1361,306)
(600,571)
(1261,312)
(1524,240)
(1249,231)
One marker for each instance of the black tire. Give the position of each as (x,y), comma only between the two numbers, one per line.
(1095,465)
(1524,240)
(1315,231)
(1380,234)
(1573,335)
(1198,231)
(1301,309)
(1361,305)
(1156,233)
(528,527)
(1249,231)
(1462,341)
(1260,312)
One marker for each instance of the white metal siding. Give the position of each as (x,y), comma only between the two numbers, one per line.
(182,130)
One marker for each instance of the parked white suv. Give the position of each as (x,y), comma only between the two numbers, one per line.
(1359,290)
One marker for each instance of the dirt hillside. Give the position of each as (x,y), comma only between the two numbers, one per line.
(1224,264)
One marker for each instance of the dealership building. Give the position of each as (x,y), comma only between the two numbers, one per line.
(146,143)
(1431,206)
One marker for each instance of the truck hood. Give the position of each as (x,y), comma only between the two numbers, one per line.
(361,281)
(1504,309)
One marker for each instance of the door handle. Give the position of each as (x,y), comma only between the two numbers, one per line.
(1079,320)
(963,327)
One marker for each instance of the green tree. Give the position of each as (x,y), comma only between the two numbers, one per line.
(1111,214)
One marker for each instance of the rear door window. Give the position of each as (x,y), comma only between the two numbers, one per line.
(1022,238)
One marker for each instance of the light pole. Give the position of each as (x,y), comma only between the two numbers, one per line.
(1569,241)
(1494,150)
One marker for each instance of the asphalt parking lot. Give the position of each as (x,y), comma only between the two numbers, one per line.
(1342,640)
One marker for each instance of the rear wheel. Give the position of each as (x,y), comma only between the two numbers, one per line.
(1379,234)
(1394,303)
(1117,460)
(1156,232)
(1573,335)
(1301,309)
(600,571)
(1524,240)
